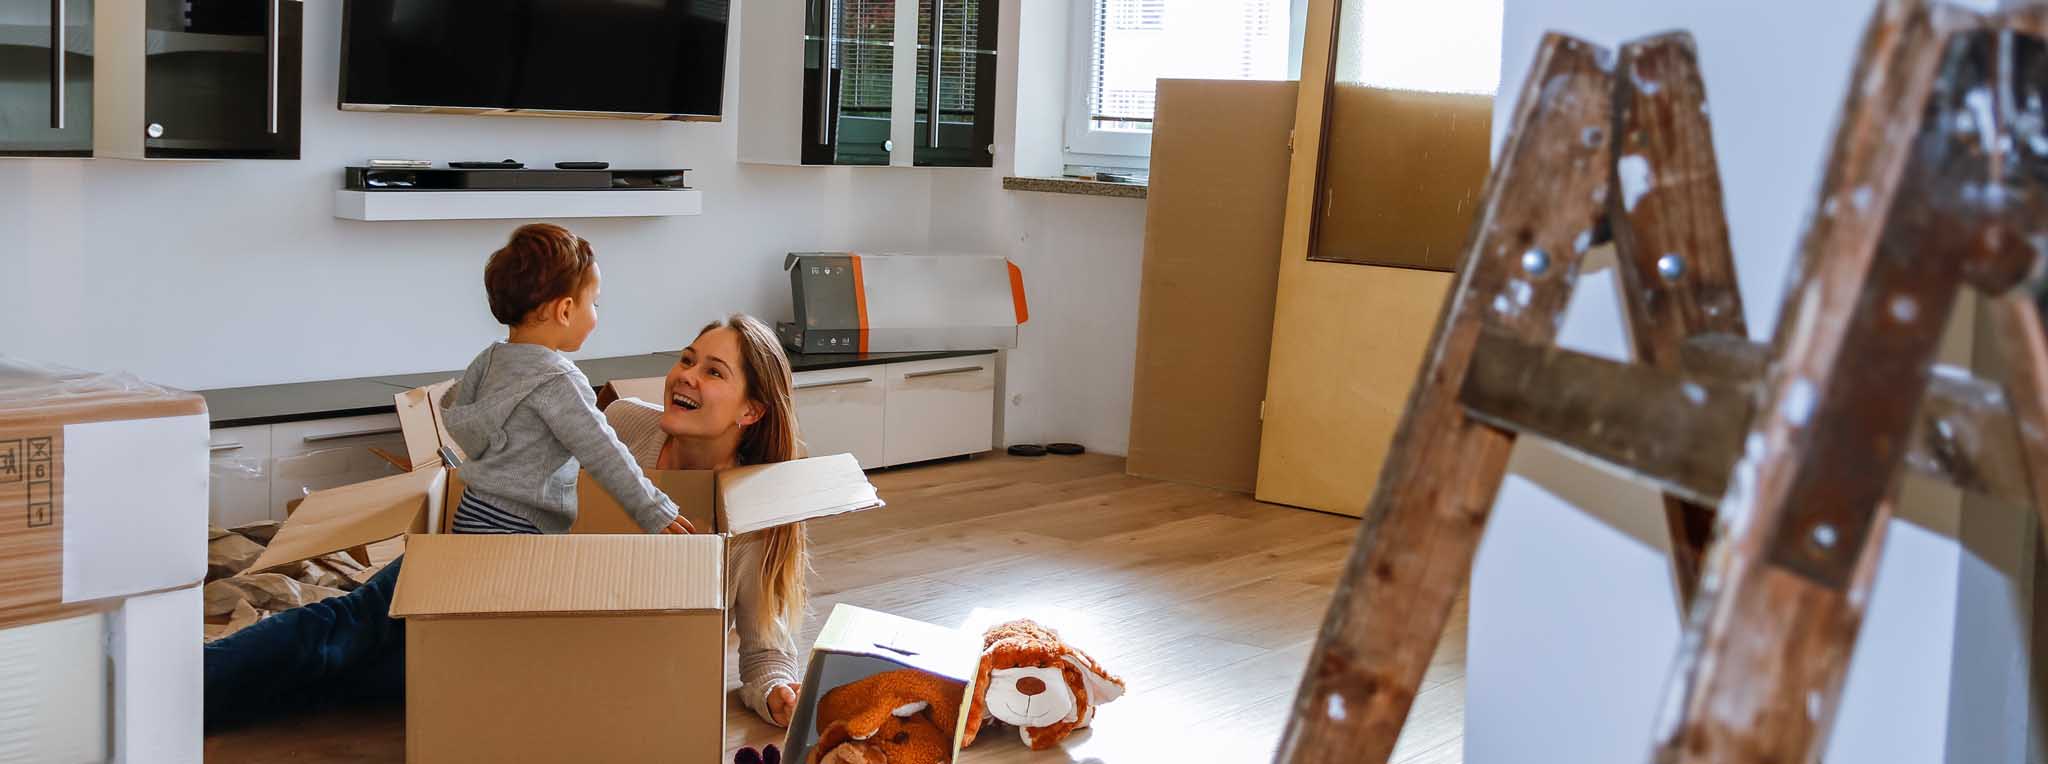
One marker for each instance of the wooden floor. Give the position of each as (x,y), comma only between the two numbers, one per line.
(1205,602)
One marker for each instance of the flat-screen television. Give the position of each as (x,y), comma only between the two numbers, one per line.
(661,59)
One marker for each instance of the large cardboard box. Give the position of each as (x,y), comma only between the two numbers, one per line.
(103,481)
(102,489)
(857,643)
(606,644)
(853,303)
(568,648)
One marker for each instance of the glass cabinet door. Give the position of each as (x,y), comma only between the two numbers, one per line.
(222,79)
(956,80)
(45,96)
(849,65)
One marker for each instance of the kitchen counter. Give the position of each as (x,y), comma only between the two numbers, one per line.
(302,401)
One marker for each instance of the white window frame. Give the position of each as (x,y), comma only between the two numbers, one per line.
(1086,146)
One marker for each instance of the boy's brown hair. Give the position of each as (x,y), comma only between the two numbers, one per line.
(540,264)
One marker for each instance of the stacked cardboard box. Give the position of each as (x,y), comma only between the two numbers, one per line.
(103,481)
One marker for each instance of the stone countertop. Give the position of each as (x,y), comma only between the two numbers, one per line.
(1076,186)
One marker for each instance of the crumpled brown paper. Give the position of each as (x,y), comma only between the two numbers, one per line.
(229,554)
(260,532)
(266,591)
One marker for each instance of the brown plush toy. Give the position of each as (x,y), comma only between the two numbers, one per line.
(904,716)
(1032,679)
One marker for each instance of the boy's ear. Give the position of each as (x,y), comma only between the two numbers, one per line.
(558,309)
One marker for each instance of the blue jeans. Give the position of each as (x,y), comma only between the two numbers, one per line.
(342,650)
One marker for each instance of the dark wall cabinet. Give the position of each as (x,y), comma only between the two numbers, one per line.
(956,79)
(198,79)
(46,77)
(857,82)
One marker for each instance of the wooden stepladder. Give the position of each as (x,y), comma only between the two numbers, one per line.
(1786,455)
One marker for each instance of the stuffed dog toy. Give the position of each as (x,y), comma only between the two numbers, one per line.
(1031,679)
(904,716)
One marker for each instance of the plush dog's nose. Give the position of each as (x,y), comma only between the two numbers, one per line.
(1031,685)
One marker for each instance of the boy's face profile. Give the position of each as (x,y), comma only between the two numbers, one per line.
(581,313)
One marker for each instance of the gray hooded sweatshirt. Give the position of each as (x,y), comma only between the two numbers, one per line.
(527,419)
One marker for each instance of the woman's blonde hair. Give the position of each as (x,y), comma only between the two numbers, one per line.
(785,558)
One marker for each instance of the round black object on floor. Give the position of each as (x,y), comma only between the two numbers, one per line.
(1066,449)
(1027,449)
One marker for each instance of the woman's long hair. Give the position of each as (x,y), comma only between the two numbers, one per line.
(785,560)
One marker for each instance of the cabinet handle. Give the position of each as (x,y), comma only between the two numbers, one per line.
(271,47)
(938,41)
(57,23)
(352,434)
(232,445)
(941,372)
(825,71)
(834,383)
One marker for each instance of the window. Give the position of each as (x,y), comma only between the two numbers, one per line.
(866,56)
(1123,46)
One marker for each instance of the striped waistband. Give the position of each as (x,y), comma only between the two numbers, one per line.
(474,515)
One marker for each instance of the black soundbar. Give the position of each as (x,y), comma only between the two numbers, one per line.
(450,179)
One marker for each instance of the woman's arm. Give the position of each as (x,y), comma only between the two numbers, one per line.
(767,645)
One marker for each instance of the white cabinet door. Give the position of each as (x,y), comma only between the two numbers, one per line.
(940,408)
(324,453)
(238,488)
(840,411)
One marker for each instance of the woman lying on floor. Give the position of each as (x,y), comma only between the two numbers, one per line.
(726,403)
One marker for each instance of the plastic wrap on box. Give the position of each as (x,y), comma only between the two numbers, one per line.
(76,449)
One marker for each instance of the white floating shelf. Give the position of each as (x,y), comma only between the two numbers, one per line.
(515,205)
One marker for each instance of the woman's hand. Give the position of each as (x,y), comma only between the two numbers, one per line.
(680,525)
(782,703)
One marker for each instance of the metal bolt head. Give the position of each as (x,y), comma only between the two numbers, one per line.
(888,145)
(1671,266)
(1536,262)
(1824,536)
(155,130)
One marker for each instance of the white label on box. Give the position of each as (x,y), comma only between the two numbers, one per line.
(134,506)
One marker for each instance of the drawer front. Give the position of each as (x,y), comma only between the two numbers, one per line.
(840,411)
(238,487)
(940,408)
(322,454)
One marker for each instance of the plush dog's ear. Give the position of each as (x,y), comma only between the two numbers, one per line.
(1102,688)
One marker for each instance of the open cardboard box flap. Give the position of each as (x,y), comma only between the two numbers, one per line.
(356,515)
(448,574)
(735,501)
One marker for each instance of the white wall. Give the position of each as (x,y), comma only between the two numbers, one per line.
(1573,622)
(215,274)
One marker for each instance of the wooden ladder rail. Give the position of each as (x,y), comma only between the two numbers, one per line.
(1841,406)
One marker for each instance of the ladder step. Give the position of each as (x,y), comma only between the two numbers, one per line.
(1681,433)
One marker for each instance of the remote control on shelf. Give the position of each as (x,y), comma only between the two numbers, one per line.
(504,165)
(583,165)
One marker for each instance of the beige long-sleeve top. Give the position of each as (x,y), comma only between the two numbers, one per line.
(767,654)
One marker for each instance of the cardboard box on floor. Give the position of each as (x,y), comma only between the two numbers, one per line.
(604,645)
(857,643)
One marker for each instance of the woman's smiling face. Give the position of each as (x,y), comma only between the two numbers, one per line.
(706,391)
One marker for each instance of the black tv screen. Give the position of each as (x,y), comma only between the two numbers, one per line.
(627,57)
